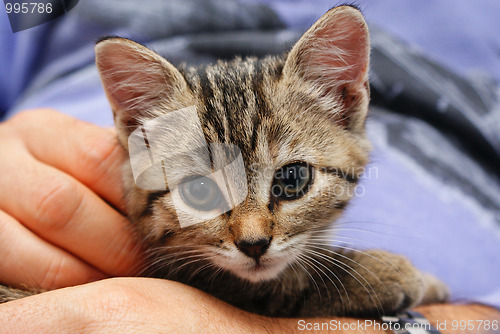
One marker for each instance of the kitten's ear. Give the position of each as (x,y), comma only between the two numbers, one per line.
(135,80)
(334,55)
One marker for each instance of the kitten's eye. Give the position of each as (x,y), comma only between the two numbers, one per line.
(292,181)
(201,193)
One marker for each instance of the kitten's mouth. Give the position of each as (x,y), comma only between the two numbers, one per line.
(255,271)
(258,271)
(258,266)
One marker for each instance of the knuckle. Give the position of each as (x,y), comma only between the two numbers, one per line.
(31,115)
(57,201)
(20,118)
(7,232)
(99,154)
(26,119)
(125,258)
(53,274)
(114,297)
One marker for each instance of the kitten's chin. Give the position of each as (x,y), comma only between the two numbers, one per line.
(254,272)
(260,273)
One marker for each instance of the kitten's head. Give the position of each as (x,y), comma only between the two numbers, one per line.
(298,122)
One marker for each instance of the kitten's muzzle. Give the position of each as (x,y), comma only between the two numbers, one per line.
(254,248)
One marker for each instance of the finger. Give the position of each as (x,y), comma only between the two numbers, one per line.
(28,261)
(87,152)
(64,212)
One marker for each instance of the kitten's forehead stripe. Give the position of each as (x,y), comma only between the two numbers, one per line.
(204,84)
(233,101)
(216,105)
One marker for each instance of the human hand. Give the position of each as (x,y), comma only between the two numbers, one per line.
(61,193)
(147,305)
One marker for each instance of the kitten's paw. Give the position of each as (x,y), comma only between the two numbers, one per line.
(396,285)
(435,290)
(401,284)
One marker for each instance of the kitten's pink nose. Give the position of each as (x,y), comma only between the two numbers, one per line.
(253,248)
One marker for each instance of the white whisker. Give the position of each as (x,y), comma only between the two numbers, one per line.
(335,285)
(340,265)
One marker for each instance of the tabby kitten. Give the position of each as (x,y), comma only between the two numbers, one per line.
(298,124)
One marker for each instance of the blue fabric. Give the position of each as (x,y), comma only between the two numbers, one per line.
(402,208)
